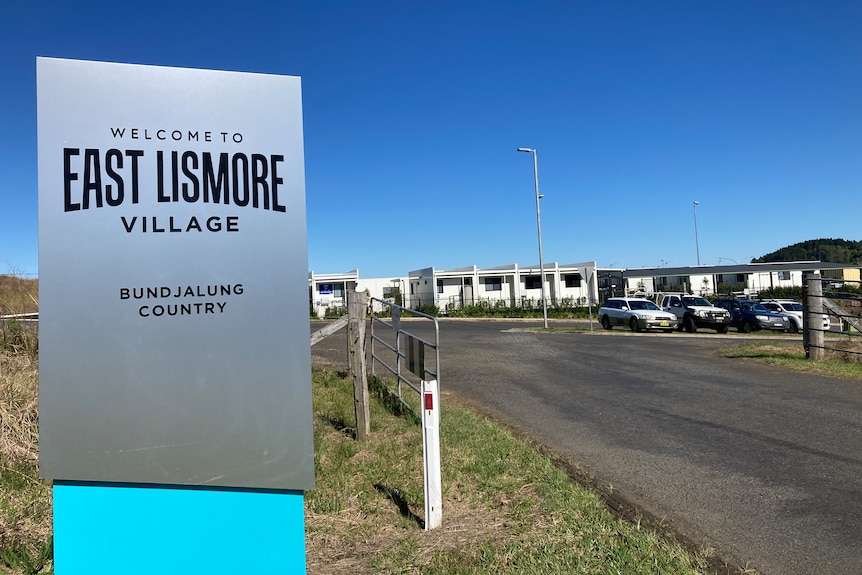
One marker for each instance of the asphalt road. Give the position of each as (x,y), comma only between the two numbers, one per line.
(760,463)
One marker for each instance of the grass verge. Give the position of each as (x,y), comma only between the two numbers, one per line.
(791,355)
(506,507)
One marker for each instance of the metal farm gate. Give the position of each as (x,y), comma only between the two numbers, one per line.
(404,354)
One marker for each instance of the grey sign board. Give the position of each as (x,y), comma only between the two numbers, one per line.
(174,343)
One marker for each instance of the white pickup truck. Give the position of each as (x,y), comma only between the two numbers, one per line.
(693,312)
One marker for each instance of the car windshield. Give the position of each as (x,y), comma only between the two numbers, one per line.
(693,300)
(756,307)
(792,306)
(645,304)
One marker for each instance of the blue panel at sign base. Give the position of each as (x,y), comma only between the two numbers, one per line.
(136,530)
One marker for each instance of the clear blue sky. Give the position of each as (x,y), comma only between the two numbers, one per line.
(413,112)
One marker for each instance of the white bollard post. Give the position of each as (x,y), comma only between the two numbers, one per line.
(431,451)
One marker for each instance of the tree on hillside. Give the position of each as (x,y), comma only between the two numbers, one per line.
(825,249)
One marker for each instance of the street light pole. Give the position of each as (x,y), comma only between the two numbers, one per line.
(696,243)
(539,228)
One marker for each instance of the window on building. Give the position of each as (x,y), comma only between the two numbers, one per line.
(784,276)
(493,284)
(439,286)
(533,282)
(468,281)
(572,280)
(338,290)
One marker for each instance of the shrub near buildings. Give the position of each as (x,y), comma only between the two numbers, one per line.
(566,309)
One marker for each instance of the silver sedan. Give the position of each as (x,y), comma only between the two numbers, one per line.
(637,313)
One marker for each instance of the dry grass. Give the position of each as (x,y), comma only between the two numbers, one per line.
(847,349)
(25,500)
(18,295)
(19,417)
(353,541)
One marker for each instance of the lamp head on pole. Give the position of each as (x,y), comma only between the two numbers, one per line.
(695,203)
(528,150)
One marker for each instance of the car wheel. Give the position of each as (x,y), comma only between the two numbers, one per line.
(746,327)
(606,323)
(690,326)
(634,325)
(721,329)
(794,327)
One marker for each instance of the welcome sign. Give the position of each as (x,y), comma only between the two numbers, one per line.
(174,335)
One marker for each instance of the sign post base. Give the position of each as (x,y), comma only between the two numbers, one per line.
(134,529)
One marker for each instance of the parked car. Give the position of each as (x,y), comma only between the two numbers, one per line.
(637,313)
(694,311)
(747,316)
(793,311)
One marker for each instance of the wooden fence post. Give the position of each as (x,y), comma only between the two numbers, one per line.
(812,320)
(356,307)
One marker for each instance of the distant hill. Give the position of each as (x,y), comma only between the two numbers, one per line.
(825,249)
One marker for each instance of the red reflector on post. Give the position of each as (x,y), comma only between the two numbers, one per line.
(429,401)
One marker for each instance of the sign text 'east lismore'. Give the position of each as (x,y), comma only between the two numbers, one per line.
(95,178)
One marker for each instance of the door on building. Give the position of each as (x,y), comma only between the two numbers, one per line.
(467,293)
